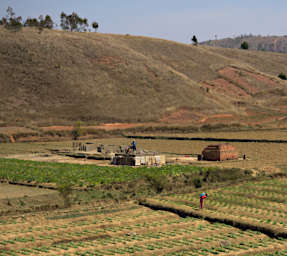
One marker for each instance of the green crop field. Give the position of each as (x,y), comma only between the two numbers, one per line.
(91,175)
(82,175)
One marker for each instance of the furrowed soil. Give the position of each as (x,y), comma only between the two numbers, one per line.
(125,229)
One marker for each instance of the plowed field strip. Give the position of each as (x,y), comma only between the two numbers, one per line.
(269,197)
(276,249)
(48,224)
(234,249)
(235,200)
(108,236)
(240,211)
(222,206)
(96,232)
(90,212)
(200,242)
(148,219)
(174,235)
(240,222)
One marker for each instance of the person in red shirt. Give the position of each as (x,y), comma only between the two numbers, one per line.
(202,197)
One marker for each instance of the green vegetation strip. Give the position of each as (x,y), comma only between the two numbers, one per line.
(185,211)
(89,176)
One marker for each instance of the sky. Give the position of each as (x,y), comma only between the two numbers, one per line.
(176,20)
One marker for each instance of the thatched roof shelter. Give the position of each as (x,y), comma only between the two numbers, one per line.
(219,152)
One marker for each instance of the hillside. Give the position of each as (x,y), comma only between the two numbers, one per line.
(59,77)
(260,43)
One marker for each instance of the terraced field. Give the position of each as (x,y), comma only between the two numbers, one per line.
(261,205)
(262,202)
(124,230)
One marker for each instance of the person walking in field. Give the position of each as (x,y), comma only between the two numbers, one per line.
(203,195)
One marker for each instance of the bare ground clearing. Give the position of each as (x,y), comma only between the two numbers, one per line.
(260,156)
(15,191)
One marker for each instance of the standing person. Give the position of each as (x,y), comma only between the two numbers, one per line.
(134,145)
(202,197)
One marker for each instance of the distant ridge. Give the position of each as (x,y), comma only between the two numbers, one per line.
(260,43)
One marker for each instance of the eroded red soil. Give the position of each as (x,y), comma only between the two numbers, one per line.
(249,81)
(181,116)
(226,88)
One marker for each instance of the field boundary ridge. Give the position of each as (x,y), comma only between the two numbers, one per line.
(203,139)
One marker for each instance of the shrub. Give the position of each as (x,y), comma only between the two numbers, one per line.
(244,45)
(77,131)
(282,76)
(157,182)
(4,138)
(65,190)
(197,182)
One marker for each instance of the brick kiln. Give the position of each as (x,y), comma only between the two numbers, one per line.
(219,152)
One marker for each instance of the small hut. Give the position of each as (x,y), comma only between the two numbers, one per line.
(219,152)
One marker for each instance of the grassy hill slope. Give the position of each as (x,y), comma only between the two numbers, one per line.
(59,77)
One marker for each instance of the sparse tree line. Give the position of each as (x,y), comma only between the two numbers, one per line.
(70,22)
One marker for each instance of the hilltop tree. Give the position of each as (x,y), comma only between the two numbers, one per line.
(31,22)
(244,45)
(11,21)
(41,23)
(73,22)
(95,25)
(47,22)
